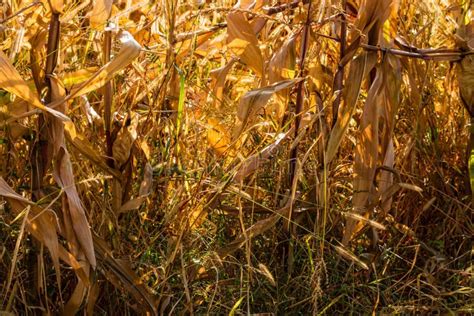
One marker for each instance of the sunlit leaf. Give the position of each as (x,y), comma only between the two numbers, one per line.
(347,254)
(77,77)
(219,76)
(254,100)
(56,5)
(252,163)
(217,136)
(41,224)
(243,42)
(359,69)
(122,145)
(75,216)
(129,51)
(100,13)
(11,81)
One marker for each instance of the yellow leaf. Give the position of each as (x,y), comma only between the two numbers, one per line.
(11,81)
(344,252)
(56,6)
(253,101)
(100,13)
(217,136)
(218,77)
(358,70)
(82,144)
(249,165)
(243,42)
(76,77)
(123,143)
(236,306)
(129,51)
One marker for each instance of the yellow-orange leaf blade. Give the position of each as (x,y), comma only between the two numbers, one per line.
(11,81)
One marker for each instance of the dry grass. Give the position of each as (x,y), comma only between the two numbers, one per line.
(207,157)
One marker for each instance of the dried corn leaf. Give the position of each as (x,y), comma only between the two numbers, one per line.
(145,190)
(391,25)
(372,15)
(366,157)
(129,51)
(41,224)
(411,187)
(94,293)
(123,144)
(359,69)
(320,75)
(345,253)
(369,24)
(248,166)
(122,276)
(76,299)
(56,6)
(132,204)
(38,42)
(11,81)
(82,145)
(375,145)
(90,113)
(281,67)
(218,77)
(147,182)
(392,85)
(255,230)
(64,176)
(266,272)
(254,100)
(194,45)
(258,22)
(80,268)
(242,41)
(100,13)
(218,136)
(361,218)
(77,77)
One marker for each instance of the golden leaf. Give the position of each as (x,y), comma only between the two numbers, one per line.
(217,136)
(242,41)
(100,13)
(11,81)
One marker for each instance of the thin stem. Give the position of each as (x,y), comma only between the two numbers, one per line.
(107,91)
(339,78)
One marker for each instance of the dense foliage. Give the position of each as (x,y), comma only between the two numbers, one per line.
(213,157)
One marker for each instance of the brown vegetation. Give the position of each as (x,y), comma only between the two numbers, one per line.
(212,157)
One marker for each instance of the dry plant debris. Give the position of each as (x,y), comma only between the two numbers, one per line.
(236,157)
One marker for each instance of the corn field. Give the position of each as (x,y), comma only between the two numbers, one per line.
(264,157)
